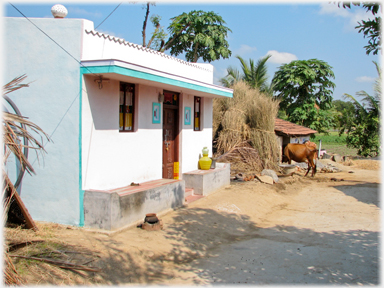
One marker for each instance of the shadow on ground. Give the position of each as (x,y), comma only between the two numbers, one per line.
(277,255)
(371,196)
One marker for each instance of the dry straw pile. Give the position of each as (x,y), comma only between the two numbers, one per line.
(243,130)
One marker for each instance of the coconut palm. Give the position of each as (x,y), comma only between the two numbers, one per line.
(364,131)
(255,75)
(233,76)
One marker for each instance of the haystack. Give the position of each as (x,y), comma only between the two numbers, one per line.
(243,130)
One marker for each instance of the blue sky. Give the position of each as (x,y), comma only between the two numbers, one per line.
(286,30)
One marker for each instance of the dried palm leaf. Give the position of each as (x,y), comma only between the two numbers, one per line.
(14,85)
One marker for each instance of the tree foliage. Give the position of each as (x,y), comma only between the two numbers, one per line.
(158,35)
(363,132)
(305,90)
(343,113)
(255,75)
(198,34)
(371,29)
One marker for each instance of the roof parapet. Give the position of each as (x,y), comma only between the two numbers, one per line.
(146,49)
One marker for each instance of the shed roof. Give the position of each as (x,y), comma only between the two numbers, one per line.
(291,129)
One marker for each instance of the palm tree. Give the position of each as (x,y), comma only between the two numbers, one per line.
(369,104)
(255,75)
(364,131)
(233,76)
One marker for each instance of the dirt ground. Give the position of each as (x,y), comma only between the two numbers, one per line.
(317,230)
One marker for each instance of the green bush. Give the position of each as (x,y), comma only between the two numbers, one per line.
(331,138)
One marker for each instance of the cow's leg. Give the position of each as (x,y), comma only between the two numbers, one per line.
(309,168)
(312,163)
(314,166)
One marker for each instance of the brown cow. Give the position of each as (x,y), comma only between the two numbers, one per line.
(310,144)
(301,153)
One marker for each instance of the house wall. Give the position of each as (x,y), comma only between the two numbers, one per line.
(111,158)
(52,102)
(300,139)
(193,142)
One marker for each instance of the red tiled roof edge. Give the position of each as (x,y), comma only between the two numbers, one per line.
(290,128)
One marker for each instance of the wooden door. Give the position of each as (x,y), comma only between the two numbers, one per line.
(169,142)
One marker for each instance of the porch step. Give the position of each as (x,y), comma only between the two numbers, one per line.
(188,192)
(192,198)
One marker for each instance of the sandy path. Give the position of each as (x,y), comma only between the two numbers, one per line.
(301,230)
(323,234)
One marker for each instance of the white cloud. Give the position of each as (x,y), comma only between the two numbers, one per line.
(352,16)
(280,57)
(245,49)
(365,79)
(333,9)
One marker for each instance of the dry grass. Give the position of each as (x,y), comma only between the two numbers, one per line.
(243,129)
(44,244)
(367,164)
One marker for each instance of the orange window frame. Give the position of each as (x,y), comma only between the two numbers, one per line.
(197,114)
(127,107)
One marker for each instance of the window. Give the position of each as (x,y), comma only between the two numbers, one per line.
(127,104)
(197,118)
(171,98)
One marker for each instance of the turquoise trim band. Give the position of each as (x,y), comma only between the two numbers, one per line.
(81,191)
(151,77)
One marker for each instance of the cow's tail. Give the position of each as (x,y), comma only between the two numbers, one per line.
(315,163)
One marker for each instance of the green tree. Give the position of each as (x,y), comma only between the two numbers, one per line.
(198,34)
(363,132)
(158,35)
(344,113)
(305,90)
(371,28)
(255,75)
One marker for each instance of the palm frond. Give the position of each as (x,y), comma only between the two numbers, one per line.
(244,66)
(370,100)
(261,75)
(15,127)
(377,85)
(350,97)
(14,84)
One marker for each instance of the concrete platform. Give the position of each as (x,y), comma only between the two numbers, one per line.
(125,206)
(205,182)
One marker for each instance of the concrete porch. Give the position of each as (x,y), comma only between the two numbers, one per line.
(121,207)
(204,182)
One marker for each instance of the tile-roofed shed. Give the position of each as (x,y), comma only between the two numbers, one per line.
(287,128)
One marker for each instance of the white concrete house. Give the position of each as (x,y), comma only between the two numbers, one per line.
(118,113)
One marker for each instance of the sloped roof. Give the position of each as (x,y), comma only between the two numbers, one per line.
(291,129)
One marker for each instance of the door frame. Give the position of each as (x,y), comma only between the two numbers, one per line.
(176,151)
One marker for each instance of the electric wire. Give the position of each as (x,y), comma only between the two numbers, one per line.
(108,15)
(57,126)
(52,39)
